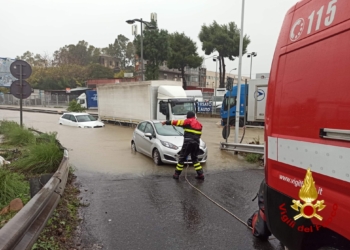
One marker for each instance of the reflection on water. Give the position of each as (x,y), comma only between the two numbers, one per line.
(108,149)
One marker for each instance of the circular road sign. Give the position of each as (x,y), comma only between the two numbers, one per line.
(15,68)
(15,89)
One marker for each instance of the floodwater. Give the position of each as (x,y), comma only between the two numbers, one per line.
(107,150)
(134,204)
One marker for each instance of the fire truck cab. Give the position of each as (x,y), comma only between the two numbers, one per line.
(307,128)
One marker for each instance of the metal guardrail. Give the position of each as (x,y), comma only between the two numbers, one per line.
(22,231)
(31,109)
(248,148)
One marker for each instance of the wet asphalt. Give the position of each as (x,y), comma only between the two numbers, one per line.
(157,212)
(130,203)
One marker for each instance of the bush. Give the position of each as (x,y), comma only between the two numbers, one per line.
(74,106)
(40,158)
(15,134)
(12,185)
(252,158)
(7,126)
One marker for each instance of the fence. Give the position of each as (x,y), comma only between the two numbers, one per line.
(40,100)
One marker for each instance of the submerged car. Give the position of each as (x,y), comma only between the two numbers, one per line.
(162,142)
(81,120)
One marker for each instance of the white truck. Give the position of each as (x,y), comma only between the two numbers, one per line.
(257,100)
(88,99)
(196,94)
(256,103)
(132,102)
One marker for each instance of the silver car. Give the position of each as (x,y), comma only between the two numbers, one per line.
(162,143)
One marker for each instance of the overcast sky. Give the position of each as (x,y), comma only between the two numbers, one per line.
(43,26)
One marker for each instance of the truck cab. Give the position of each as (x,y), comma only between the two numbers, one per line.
(173,103)
(88,99)
(229,104)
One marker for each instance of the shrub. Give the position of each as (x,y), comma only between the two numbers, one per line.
(15,134)
(12,185)
(40,158)
(74,106)
(252,158)
(7,126)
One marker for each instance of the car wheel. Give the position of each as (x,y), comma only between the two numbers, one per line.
(156,157)
(133,147)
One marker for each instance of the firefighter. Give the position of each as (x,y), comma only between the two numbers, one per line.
(193,131)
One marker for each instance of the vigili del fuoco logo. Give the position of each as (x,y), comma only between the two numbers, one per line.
(308,194)
(307,207)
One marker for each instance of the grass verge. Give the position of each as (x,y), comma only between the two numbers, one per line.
(32,154)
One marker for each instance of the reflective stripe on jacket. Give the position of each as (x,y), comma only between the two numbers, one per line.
(190,125)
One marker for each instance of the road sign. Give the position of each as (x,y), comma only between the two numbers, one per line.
(15,89)
(15,69)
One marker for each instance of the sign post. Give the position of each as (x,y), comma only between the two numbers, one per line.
(21,89)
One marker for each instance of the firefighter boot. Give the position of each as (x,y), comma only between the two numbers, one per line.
(176,175)
(200,175)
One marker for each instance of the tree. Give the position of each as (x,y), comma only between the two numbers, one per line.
(96,71)
(155,50)
(130,53)
(223,39)
(123,49)
(36,60)
(183,52)
(80,54)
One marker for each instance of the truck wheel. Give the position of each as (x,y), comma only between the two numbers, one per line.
(156,157)
(133,147)
(241,122)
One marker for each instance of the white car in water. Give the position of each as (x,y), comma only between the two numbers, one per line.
(162,143)
(81,120)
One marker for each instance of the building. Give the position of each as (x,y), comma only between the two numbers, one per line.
(212,75)
(111,62)
(194,77)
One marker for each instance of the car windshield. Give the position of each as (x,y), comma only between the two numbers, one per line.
(168,130)
(181,108)
(85,118)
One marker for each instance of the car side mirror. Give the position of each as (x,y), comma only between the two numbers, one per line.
(149,135)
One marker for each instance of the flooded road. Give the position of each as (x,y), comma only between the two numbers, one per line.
(108,150)
(134,204)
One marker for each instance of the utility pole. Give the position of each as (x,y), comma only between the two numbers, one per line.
(239,76)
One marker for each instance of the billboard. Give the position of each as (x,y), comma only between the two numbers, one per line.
(204,107)
(6,78)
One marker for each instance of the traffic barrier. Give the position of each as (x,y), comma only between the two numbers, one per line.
(22,231)
(247,148)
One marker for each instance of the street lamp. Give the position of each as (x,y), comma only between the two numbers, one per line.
(215,59)
(231,70)
(251,55)
(150,26)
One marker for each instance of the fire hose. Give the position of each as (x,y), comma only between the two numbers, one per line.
(223,208)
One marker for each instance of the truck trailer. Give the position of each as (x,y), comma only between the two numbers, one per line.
(134,102)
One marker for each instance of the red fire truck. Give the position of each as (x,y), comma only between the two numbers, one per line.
(307,128)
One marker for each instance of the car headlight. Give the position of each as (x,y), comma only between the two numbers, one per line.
(169,145)
(204,145)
